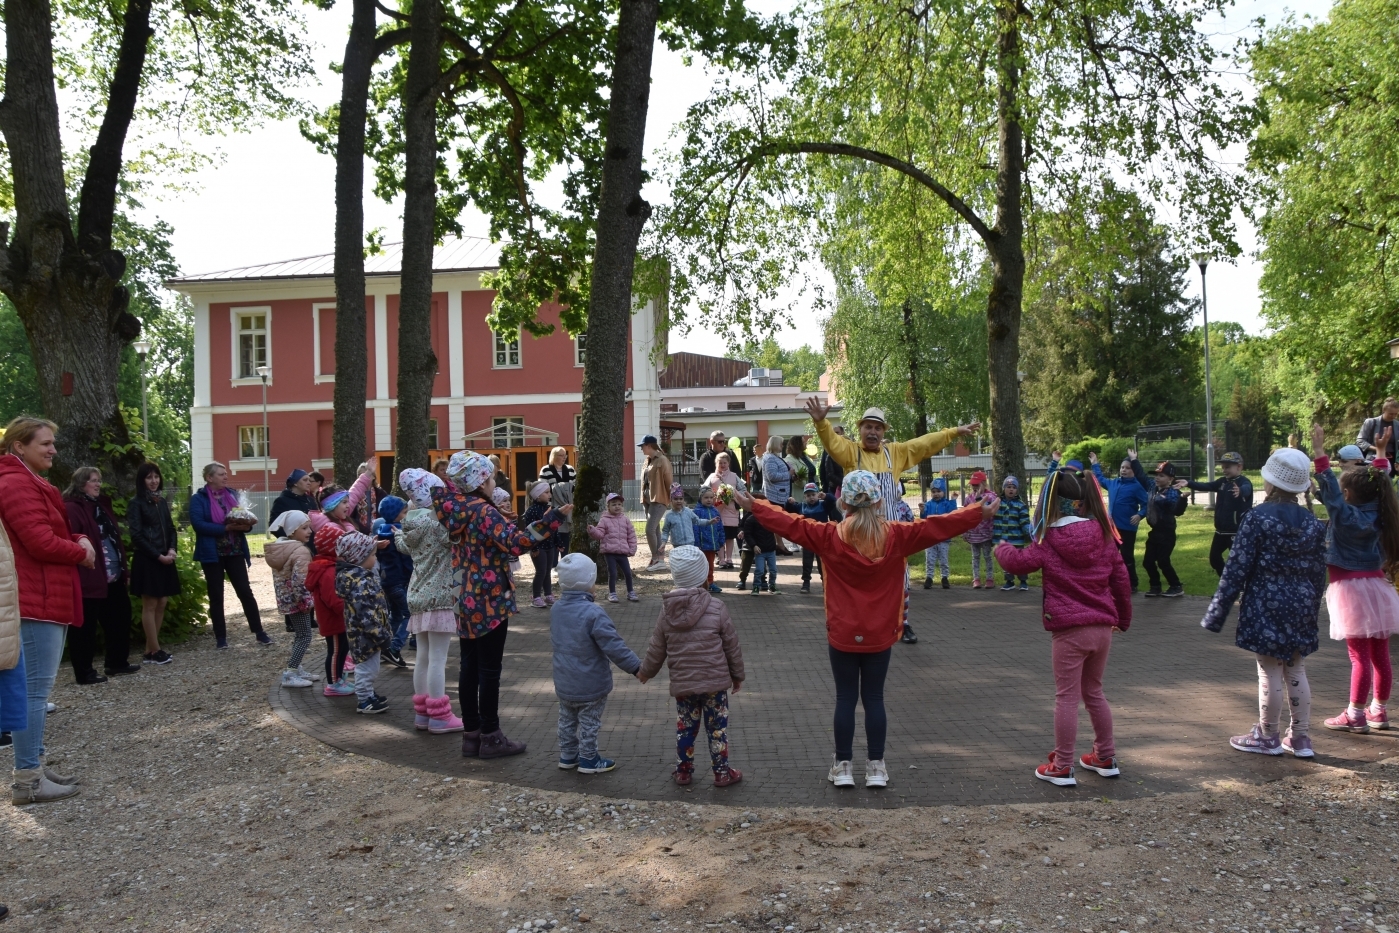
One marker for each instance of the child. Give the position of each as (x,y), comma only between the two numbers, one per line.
(813,506)
(709,531)
(1362,552)
(1277,564)
(679,525)
(696,640)
(980,536)
(500,498)
(1012,526)
(330,611)
(1163,504)
(1126,507)
(395,571)
(1086,599)
(764,547)
(544,555)
(583,638)
(366,613)
(337,504)
(618,537)
(1234,498)
(935,557)
(432,599)
(289,557)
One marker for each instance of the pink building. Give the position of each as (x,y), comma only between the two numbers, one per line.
(282,316)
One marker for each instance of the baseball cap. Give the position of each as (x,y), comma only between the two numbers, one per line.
(1235,457)
(811,487)
(979,478)
(649,439)
(1165,467)
(1350,452)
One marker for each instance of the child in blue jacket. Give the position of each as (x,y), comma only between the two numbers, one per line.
(709,531)
(813,506)
(1012,525)
(936,557)
(395,569)
(1126,508)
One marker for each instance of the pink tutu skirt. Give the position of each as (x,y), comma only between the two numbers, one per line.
(1362,607)
(434,620)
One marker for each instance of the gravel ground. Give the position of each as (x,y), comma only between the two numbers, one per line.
(201,811)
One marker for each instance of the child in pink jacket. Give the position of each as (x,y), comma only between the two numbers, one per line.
(618,537)
(1087,597)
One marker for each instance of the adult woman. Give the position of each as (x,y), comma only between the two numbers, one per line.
(777,475)
(656,479)
(221,547)
(296,497)
(105,600)
(154,543)
(483,544)
(863,562)
(557,469)
(47,555)
(728,512)
(802,467)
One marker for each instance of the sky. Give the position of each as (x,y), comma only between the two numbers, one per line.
(222,224)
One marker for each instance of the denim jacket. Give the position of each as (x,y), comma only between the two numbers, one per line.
(1353,534)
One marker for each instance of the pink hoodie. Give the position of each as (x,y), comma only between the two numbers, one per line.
(1085,582)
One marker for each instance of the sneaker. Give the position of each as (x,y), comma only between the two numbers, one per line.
(1350,720)
(568,764)
(50,708)
(1059,778)
(1106,767)
(1174,591)
(988,583)
(946,583)
(163,657)
(548,600)
(681,777)
(909,638)
(90,679)
(595,765)
(1024,587)
(1007,587)
(393,657)
(264,639)
(633,598)
(1257,743)
(728,776)
(806,589)
(656,566)
(927,583)
(714,588)
(727,565)
(1154,591)
(538,602)
(611,597)
(291,678)
(372,705)
(756,591)
(841,774)
(221,644)
(338,689)
(307,675)
(124,669)
(1377,717)
(976,584)
(1299,745)
(773,590)
(876,774)
(742,585)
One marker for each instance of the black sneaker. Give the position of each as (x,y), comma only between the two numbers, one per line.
(264,639)
(373,705)
(393,657)
(1175,591)
(1154,591)
(742,585)
(927,583)
(1008,587)
(92,677)
(162,657)
(6,740)
(124,669)
(909,638)
(946,583)
(806,588)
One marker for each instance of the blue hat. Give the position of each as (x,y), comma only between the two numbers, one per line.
(295,477)
(940,483)
(1350,452)
(391,507)
(811,487)
(650,439)
(1075,465)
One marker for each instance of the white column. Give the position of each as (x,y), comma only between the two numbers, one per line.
(201,422)
(383,436)
(456,370)
(646,383)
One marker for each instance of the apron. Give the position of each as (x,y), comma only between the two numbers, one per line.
(889,488)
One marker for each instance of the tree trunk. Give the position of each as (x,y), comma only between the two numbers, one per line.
(1007,259)
(622,213)
(916,399)
(417,364)
(67,293)
(351,356)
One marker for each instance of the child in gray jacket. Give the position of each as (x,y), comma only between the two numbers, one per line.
(583,638)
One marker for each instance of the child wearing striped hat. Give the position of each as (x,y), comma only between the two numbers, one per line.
(366,613)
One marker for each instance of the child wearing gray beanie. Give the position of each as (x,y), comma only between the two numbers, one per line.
(584,639)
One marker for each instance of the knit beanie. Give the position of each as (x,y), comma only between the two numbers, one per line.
(688,566)
(390,508)
(354,547)
(577,572)
(327,538)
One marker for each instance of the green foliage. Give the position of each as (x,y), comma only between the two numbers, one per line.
(1111,452)
(186,612)
(800,367)
(1251,414)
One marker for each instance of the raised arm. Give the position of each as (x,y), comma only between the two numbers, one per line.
(843,451)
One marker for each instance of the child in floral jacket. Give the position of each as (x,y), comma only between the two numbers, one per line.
(366,613)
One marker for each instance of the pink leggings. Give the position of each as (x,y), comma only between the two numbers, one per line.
(1080,657)
(1369,667)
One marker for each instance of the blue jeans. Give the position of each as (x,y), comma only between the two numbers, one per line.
(397,598)
(770,559)
(43,649)
(14,698)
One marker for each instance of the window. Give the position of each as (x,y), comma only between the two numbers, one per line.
(250,344)
(252,442)
(577,428)
(669,407)
(508,432)
(580,348)
(507,352)
(432,434)
(737,406)
(323,342)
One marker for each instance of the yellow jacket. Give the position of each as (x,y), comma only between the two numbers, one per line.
(904,454)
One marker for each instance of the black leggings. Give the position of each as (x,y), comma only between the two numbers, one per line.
(545,558)
(237,570)
(1128,550)
(478,684)
(1160,542)
(1218,545)
(113,614)
(860,676)
(616,563)
(337,649)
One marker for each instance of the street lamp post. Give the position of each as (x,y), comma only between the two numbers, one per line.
(264,372)
(1202,261)
(142,347)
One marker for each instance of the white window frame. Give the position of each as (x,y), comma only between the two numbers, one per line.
(577,427)
(507,422)
(500,344)
(255,431)
(234,314)
(434,428)
(317,375)
(579,349)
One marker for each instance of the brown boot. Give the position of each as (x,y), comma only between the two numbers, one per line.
(496,745)
(471,744)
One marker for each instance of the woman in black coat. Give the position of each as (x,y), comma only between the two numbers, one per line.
(105,600)
(154,543)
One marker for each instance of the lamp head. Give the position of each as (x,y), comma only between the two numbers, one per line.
(264,372)
(1202,260)
(142,347)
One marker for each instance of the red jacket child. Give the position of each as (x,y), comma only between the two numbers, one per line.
(320,580)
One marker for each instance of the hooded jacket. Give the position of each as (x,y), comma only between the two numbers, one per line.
(584,639)
(615,534)
(1162,505)
(289,560)
(1126,497)
(1085,581)
(395,567)
(46,550)
(425,541)
(330,608)
(1229,509)
(696,640)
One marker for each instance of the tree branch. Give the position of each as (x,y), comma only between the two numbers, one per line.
(390,39)
(393,14)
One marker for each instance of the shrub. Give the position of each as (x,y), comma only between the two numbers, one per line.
(1111,451)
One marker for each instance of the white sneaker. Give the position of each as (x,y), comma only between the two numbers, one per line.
(291,678)
(841,775)
(876,775)
(307,675)
(656,565)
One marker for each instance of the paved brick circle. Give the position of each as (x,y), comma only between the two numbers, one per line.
(970,709)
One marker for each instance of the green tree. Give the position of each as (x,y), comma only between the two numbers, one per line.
(800,367)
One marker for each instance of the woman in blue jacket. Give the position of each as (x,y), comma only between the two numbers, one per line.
(221,547)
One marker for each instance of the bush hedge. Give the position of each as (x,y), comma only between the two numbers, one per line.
(1111,451)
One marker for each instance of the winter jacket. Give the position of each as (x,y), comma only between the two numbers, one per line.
(366,610)
(696,640)
(864,598)
(1229,509)
(82,518)
(9,604)
(356,495)
(330,608)
(710,536)
(983,532)
(584,640)
(1353,534)
(1012,522)
(561,494)
(207,532)
(289,560)
(1085,582)
(681,528)
(423,539)
(616,533)
(1276,563)
(816,511)
(904,455)
(151,528)
(1162,505)
(288,501)
(395,567)
(46,551)
(939,506)
(1126,498)
(777,479)
(756,536)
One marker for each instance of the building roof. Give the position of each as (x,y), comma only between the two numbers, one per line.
(689,370)
(464,254)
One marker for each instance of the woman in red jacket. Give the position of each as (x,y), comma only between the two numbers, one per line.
(47,555)
(863,559)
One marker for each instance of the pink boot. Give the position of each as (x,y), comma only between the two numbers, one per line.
(420,717)
(442,720)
